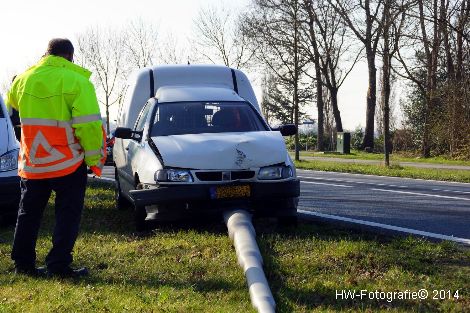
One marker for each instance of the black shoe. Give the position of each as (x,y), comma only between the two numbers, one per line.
(31,271)
(69,272)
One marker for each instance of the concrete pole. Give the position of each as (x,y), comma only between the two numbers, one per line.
(242,232)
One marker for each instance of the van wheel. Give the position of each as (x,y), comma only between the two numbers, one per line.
(140,214)
(121,202)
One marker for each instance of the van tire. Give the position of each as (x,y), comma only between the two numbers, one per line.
(140,214)
(121,202)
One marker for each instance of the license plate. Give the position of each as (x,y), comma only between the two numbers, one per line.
(224,192)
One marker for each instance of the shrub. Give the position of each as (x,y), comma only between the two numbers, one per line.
(356,138)
(306,141)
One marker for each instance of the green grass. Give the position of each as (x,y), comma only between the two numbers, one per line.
(394,170)
(193,268)
(395,157)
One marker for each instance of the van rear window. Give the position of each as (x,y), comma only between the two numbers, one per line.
(205,117)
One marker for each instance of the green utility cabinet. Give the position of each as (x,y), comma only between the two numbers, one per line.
(343,142)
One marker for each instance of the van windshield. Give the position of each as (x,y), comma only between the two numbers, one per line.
(180,118)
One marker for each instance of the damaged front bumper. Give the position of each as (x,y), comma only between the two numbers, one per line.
(264,199)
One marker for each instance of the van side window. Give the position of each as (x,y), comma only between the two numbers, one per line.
(140,123)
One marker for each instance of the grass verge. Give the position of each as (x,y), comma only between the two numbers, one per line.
(394,170)
(395,157)
(193,268)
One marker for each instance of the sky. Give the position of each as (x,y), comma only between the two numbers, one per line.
(27,26)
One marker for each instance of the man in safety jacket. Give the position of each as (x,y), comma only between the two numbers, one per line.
(61,134)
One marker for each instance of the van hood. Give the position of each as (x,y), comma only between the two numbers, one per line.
(220,151)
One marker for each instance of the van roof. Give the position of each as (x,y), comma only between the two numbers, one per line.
(196,93)
(143,84)
(189,75)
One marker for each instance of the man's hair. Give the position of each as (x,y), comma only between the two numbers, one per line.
(59,47)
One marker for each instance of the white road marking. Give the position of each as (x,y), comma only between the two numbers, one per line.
(455,191)
(350,181)
(386,226)
(421,194)
(379,184)
(316,183)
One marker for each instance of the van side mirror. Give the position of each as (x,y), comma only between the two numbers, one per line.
(287,130)
(127,133)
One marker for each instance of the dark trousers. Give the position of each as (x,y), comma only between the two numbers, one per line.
(70,194)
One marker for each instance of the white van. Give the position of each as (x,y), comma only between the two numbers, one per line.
(191,140)
(9,179)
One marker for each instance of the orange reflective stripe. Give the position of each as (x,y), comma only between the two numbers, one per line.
(51,168)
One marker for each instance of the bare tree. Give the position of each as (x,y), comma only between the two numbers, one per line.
(171,52)
(333,54)
(427,44)
(330,128)
(363,18)
(379,114)
(219,38)
(315,56)
(438,67)
(141,43)
(393,20)
(454,24)
(102,51)
(274,30)
(276,104)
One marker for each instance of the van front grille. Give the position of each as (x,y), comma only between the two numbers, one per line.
(223,176)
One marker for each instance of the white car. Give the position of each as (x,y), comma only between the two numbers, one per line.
(9,179)
(191,140)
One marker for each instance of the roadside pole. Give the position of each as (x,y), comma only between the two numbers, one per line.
(242,232)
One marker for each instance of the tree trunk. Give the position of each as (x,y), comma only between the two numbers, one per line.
(336,113)
(464,15)
(445,34)
(371,101)
(320,105)
(296,86)
(431,73)
(107,115)
(386,83)
(318,80)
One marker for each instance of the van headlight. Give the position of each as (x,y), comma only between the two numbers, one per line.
(173,175)
(275,172)
(9,161)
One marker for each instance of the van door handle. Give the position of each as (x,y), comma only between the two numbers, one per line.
(127,148)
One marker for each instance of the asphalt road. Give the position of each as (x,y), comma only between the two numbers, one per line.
(441,208)
(108,172)
(427,206)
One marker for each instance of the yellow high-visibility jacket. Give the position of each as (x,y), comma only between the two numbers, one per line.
(60,119)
